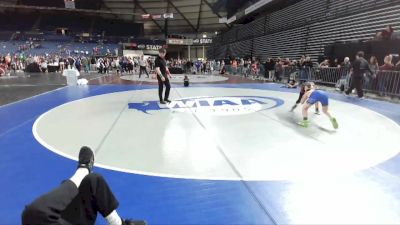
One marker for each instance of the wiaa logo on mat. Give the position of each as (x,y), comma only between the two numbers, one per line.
(230,105)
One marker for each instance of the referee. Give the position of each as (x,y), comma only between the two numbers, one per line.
(359,67)
(163,76)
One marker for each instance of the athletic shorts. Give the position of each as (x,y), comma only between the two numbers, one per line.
(318,96)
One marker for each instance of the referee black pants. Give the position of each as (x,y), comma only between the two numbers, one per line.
(67,204)
(356,82)
(161,88)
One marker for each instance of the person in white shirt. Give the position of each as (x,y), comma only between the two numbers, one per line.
(143,65)
(43,66)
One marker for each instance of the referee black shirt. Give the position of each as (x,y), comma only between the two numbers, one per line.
(360,66)
(162,64)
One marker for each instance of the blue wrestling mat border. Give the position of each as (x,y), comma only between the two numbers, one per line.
(29,170)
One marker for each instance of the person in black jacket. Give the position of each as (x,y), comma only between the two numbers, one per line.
(163,76)
(359,67)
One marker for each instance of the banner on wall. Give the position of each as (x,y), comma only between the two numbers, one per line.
(198,41)
(202,41)
(176,41)
(168,15)
(145,44)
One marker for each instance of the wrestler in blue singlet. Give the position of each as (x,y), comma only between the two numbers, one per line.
(318,96)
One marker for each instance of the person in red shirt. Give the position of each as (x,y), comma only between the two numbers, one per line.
(384,74)
(234,66)
(386,34)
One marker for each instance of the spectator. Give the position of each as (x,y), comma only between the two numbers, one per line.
(186,81)
(373,64)
(255,69)
(241,66)
(278,70)
(234,66)
(292,82)
(335,63)
(306,69)
(222,67)
(43,66)
(397,68)
(61,64)
(324,64)
(370,78)
(100,65)
(85,64)
(247,65)
(106,65)
(286,62)
(385,34)
(78,64)
(188,66)
(117,66)
(130,65)
(270,69)
(198,66)
(384,74)
(346,65)
(345,77)
(204,66)
(143,66)
(93,64)
(136,63)
(227,65)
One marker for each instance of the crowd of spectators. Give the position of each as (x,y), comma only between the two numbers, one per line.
(385,77)
(270,69)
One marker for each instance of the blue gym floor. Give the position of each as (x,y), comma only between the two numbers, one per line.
(370,196)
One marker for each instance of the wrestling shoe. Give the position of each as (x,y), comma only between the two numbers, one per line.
(163,102)
(86,158)
(167,100)
(317,112)
(293,108)
(304,123)
(134,222)
(334,123)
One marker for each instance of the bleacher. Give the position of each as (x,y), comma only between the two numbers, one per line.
(78,23)
(241,49)
(308,26)
(362,26)
(296,15)
(50,47)
(255,28)
(344,7)
(82,48)
(12,47)
(286,44)
(219,52)
(5,35)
